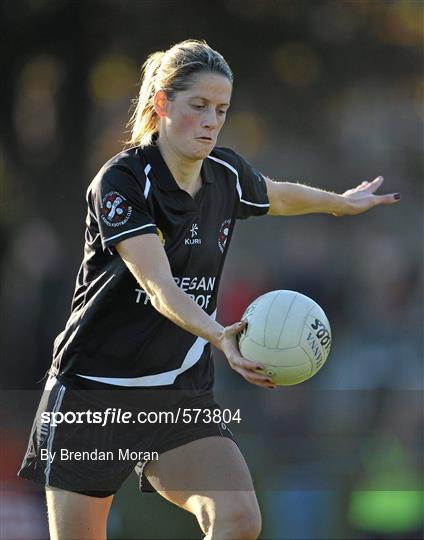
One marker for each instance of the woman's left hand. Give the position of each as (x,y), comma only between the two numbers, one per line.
(362,198)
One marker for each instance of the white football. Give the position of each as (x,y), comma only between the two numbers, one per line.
(288,333)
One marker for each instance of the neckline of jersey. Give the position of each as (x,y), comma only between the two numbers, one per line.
(163,176)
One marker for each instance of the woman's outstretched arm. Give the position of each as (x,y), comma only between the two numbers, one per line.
(288,199)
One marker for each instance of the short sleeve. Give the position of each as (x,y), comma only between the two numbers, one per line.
(117,201)
(253,196)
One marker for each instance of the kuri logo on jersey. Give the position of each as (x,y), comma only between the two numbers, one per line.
(115,209)
(223,234)
(193,238)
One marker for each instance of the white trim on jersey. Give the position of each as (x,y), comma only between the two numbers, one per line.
(160,379)
(147,186)
(129,231)
(238,186)
(88,237)
(57,405)
(92,214)
(51,381)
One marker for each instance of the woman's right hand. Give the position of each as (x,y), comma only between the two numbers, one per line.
(246,368)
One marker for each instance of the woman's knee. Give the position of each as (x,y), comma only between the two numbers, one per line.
(238,517)
(242,523)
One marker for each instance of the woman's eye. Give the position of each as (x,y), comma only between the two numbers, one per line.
(198,107)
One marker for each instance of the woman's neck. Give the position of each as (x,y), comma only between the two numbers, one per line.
(185,172)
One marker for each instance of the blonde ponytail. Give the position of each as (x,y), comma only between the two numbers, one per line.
(143,122)
(171,71)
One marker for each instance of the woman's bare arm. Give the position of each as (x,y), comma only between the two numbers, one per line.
(146,259)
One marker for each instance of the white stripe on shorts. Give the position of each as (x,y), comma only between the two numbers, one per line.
(56,408)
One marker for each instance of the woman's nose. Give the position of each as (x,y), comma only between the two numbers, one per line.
(210,119)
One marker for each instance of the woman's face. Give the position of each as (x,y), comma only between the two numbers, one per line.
(192,120)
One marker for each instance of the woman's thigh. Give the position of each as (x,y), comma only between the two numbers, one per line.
(208,477)
(75,516)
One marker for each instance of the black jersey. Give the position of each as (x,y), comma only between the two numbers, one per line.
(114,335)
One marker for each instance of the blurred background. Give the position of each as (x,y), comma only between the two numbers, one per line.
(329,93)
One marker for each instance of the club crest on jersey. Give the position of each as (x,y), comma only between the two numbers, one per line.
(223,234)
(115,209)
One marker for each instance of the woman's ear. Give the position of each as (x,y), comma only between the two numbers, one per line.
(160,103)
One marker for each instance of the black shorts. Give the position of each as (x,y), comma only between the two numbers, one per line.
(89,442)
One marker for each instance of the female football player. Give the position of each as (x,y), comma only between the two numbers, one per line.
(160,220)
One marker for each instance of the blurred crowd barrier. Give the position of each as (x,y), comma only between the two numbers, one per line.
(327,93)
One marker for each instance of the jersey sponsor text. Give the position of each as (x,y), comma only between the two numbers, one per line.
(191,285)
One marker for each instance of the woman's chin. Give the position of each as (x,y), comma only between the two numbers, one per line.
(203,152)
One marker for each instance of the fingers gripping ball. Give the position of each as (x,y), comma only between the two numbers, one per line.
(288,333)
